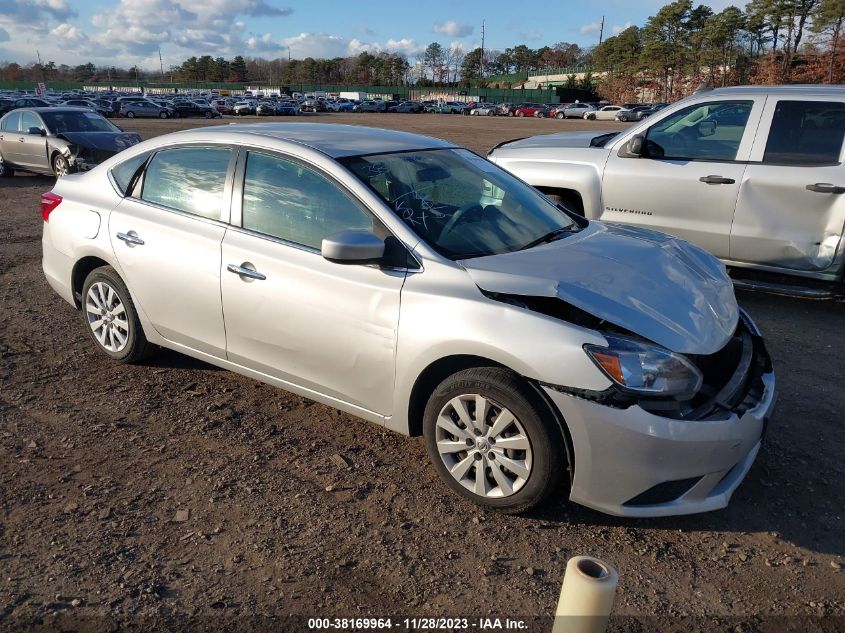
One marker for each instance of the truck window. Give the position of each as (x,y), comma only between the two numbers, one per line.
(706,131)
(806,133)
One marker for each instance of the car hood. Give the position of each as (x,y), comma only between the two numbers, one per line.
(657,286)
(559,139)
(108,141)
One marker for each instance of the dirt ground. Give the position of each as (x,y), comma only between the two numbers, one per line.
(176,492)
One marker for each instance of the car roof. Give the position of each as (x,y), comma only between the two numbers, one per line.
(40,110)
(804,89)
(332,139)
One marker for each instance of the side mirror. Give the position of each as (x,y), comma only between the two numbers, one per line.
(636,145)
(352,247)
(707,128)
(37,131)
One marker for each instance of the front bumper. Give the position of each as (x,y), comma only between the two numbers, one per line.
(629,462)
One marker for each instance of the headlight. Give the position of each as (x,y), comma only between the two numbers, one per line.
(645,370)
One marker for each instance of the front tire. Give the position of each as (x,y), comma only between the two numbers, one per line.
(130,115)
(111,319)
(493,441)
(60,166)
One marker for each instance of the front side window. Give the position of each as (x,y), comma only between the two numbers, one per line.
(189,179)
(459,203)
(806,133)
(29,120)
(706,131)
(287,200)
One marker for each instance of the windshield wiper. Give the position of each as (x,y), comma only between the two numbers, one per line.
(548,237)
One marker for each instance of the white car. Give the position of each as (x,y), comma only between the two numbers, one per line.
(488,109)
(606,113)
(417,285)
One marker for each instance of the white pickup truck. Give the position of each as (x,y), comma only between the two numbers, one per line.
(752,174)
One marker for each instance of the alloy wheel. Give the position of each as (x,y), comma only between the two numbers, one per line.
(483,446)
(60,166)
(106,316)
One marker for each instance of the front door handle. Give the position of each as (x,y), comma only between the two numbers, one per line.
(717,180)
(246,270)
(131,238)
(825,187)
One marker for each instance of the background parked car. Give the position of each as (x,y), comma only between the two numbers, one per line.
(242,108)
(635,114)
(408,106)
(58,140)
(485,109)
(190,109)
(528,109)
(286,108)
(372,106)
(132,109)
(605,113)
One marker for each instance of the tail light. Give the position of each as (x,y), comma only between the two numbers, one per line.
(49,201)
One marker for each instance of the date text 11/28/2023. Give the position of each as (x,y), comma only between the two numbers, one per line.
(415,624)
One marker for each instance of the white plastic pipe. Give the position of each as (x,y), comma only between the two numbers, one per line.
(586,597)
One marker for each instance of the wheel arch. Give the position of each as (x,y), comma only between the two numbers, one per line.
(570,197)
(81,270)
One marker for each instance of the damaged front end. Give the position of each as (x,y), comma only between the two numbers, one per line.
(729,381)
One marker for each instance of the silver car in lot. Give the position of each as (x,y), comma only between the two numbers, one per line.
(413,283)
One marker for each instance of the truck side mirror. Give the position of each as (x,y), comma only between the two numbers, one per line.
(636,145)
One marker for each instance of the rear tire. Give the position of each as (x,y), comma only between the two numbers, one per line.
(470,455)
(162,115)
(105,299)
(560,115)
(130,115)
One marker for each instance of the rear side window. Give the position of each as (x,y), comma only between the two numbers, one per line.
(124,172)
(806,133)
(10,123)
(189,179)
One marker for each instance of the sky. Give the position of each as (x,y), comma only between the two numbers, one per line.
(128,32)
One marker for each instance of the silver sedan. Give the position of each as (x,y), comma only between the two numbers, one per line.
(413,283)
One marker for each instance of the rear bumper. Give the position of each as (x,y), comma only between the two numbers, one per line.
(629,462)
(57,268)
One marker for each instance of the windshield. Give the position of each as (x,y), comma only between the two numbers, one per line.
(459,203)
(76,121)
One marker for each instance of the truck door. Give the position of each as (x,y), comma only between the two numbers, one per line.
(791,207)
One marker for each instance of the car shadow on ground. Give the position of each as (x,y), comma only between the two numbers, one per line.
(168,359)
(20,181)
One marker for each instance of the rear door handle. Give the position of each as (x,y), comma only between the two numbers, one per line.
(246,270)
(717,180)
(825,187)
(131,238)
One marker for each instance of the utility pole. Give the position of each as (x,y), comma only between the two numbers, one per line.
(482,49)
(161,63)
(601,30)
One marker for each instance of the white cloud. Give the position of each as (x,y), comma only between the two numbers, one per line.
(619,28)
(592,27)
(69,34)
(452,29)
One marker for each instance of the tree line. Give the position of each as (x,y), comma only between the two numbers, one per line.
(683,46)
